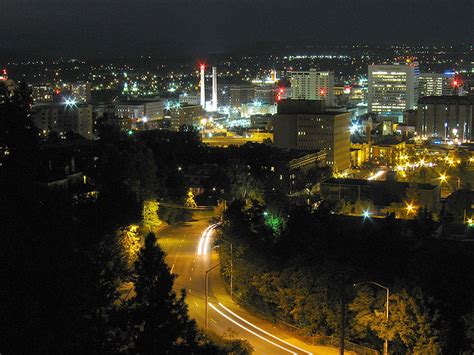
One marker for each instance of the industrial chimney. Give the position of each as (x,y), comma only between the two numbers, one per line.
(214,89)
(203,87)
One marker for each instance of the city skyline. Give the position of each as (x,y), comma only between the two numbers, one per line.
(237,177)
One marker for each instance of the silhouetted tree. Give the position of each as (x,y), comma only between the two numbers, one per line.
(159,318)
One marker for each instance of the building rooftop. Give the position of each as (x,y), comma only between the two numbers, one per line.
(446,99)
(301,106)
(381,193)
(362,182)
(388,141)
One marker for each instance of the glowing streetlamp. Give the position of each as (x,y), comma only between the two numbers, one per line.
(410,208)
(443,178)
(366,214)
(70,102)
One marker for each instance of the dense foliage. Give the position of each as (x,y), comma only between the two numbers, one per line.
(302,274)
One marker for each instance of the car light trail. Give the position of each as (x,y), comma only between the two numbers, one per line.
(203,245)
(201,241)
(263,331)
(249,330)
(376,175)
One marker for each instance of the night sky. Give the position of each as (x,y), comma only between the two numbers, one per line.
(133,27)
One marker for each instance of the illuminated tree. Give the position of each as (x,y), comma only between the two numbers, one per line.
(150,219)
(220,209)
(413,324)
(190,203)
(245,187)
(130,242)
(275,222)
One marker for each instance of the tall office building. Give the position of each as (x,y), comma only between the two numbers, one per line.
(393,88)
(307,125)
(312,85)
(434,84)
(446,117)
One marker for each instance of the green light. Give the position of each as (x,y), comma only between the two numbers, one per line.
(274,222)
(130,132)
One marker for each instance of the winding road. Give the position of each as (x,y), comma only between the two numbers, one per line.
(189,255)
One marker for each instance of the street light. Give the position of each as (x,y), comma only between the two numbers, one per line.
(366,214)
(443,178)
(410,208)
(385,345)
(206,286)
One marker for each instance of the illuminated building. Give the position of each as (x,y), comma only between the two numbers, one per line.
(381,193)
(81,91)
(257,108)
(393,88)
(186,115)
(388,150)
(312,85)
(446,117)
(42,93)
(266,94)
(360,154)
(307,125)
(241,94)
(261,122)
(189,99)
(148,109)
(434,84)
(63,118)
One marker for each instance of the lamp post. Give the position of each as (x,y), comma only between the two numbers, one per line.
(385,345)
(206,293)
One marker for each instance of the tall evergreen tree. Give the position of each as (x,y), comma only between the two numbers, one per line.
(160,320)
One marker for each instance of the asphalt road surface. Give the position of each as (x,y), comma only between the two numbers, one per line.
(189,255)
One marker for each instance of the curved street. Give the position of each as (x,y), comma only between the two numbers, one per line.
(189,256)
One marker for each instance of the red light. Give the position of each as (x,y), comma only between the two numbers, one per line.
(282,90)
(4,72)
(322,92)
(57,91)
(455,83)
(202,66)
